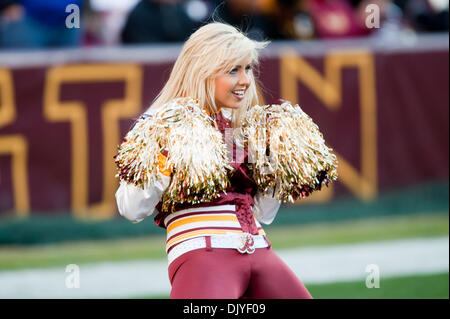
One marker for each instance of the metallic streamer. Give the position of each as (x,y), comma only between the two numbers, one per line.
(287,151)
(197,155)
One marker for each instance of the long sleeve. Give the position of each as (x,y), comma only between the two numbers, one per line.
(135,203)
(265,208)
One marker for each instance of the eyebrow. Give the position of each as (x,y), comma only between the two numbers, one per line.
(240,66)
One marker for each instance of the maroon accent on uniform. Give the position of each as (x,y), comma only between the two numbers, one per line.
(244,214)
(240,193)
(227,274)
(208,243)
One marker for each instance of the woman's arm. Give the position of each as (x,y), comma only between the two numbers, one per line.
(135,203)
(266,207)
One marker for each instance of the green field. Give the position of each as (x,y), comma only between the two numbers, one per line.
(411,287)
(323,234)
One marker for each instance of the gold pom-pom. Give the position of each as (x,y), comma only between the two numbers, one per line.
(287,150)
(196,153)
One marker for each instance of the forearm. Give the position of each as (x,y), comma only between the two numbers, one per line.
(135,203)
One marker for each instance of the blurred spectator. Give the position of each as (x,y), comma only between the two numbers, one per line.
(174,20)
(37,24)
(93,26)
(104,21)
(164,20)
(254,17)
(290,18)
(336,19)
(425,15)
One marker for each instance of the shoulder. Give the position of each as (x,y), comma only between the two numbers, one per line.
(173,104)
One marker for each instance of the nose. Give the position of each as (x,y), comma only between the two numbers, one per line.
(244,78)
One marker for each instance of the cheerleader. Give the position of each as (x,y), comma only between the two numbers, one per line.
(205,160)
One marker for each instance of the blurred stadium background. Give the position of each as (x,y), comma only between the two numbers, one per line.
(379,95)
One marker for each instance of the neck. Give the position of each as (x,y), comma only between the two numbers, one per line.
(226,112)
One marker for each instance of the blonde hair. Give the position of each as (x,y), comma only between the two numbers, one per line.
(212,50)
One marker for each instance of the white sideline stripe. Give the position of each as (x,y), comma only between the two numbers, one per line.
(348,262)
(312,265)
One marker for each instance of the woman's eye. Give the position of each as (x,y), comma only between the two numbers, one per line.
(248,68)
(233,71)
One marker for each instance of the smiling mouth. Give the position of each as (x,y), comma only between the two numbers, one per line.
(239,93)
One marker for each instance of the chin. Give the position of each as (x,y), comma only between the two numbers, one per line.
(230,104)
(234,105)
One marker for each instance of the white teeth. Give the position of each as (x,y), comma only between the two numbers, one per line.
(239,92)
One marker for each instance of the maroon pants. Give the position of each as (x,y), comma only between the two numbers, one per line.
(220,273)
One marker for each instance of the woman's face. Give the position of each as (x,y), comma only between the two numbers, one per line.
(230,88)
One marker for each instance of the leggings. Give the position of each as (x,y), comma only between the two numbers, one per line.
(221,273)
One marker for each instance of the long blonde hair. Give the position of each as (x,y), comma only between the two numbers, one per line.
(212,50)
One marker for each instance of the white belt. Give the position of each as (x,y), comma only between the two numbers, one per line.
(244,243)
